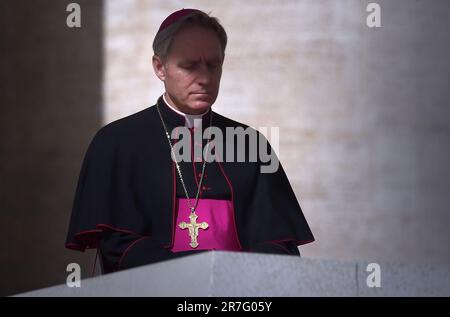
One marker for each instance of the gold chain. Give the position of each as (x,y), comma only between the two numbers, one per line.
(192,208)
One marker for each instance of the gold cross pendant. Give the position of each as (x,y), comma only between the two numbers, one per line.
(193,227)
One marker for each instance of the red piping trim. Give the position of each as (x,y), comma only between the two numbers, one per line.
(87,232)
(280,246)
(174,194)
(102,225)
(87,239)
(232,201)
(192,157)
(128,249)
(95,263)
(75,246)
(297,242)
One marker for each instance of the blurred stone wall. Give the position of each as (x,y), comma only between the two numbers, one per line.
(50,107)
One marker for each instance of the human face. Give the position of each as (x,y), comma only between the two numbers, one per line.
(192,70)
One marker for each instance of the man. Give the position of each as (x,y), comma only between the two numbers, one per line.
(138,204)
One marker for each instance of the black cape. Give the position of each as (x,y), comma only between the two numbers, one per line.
(128,184)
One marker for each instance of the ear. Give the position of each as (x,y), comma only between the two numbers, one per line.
(158,67)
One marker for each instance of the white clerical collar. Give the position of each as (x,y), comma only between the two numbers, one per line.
(189,118)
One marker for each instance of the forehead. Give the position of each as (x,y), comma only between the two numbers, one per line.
(195,42)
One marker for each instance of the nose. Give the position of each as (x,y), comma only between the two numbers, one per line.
(204,75)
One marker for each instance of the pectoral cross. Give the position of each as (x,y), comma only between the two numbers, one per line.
(193,227)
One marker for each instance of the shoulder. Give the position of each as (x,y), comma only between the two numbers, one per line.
(131,125)
(125,130)
(225,122)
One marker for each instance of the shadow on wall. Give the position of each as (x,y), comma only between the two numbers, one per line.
(51,103)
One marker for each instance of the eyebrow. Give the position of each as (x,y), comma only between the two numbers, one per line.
(192,61)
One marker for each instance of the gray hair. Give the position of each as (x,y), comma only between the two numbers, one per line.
(163,39)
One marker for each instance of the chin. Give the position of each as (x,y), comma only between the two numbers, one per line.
(200,105)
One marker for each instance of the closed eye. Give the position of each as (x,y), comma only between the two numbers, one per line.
(188,66)
(213,65)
